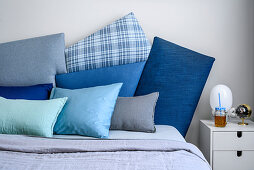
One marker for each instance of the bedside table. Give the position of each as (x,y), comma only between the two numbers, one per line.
(230,147)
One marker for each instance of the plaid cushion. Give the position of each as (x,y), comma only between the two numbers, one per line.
(121,42)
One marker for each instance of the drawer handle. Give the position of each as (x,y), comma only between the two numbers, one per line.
(239,134)
(239,153)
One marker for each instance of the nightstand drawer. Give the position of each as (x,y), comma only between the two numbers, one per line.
(231,160)
(233,141)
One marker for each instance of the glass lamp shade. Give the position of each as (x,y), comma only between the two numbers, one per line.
(221,97)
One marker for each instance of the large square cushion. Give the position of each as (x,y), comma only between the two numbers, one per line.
(179,75)
(32,61)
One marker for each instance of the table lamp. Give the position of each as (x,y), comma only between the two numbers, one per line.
(221,97)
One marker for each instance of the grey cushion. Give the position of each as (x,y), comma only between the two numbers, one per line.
(32,61)
(135,113)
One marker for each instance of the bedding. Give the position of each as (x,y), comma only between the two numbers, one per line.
(121,42)
(32,61)
(22,152)
(128,74)
(135,113)
(35,92)
(88,111)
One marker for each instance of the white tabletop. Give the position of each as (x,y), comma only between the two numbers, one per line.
(231,125)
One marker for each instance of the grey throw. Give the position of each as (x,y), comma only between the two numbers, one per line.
(22,152)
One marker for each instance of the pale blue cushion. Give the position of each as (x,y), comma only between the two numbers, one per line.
(88,111)
(29,117)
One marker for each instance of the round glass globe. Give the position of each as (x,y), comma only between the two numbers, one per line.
(221,96)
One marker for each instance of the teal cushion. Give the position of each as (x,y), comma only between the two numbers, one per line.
(29,117)
(88,111)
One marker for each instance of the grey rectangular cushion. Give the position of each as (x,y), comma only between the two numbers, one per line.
(135,113)
(32,61)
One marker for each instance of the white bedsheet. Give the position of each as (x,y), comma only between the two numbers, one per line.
(162,132)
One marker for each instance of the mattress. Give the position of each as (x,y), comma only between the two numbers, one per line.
(162,132)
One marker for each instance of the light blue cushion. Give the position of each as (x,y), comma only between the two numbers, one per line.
(29,117)
(88,111)
(121,42)
(127,74)
(179,75)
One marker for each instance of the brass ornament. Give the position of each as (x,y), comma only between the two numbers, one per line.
(243,111)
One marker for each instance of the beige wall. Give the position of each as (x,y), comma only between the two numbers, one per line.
(223,29)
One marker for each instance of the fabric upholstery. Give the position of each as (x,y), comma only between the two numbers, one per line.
(121,42)
(179,75)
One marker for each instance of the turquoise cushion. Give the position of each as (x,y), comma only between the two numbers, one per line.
(29,117)
(88,111)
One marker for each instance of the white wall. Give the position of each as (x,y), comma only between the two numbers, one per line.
(223,29)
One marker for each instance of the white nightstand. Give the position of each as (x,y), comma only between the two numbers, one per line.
(230,147)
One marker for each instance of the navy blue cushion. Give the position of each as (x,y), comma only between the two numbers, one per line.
(36,92)
(179,75)
(128,74)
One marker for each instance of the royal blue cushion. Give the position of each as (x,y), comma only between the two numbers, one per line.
(121,42)
(179,75)
(88,111)
(36,92)
(128,74)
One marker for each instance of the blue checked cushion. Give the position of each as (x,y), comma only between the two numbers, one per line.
(122,42)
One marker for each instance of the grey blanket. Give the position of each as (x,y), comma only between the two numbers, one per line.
(23,152)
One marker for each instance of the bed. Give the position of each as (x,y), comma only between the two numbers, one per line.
(164,149)
(135,100)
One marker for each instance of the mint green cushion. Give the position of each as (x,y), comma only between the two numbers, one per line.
(29,117)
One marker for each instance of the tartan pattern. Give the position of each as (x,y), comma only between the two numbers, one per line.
(121,42)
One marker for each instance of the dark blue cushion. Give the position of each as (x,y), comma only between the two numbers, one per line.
(128,74)
(179,75)
(36,92)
